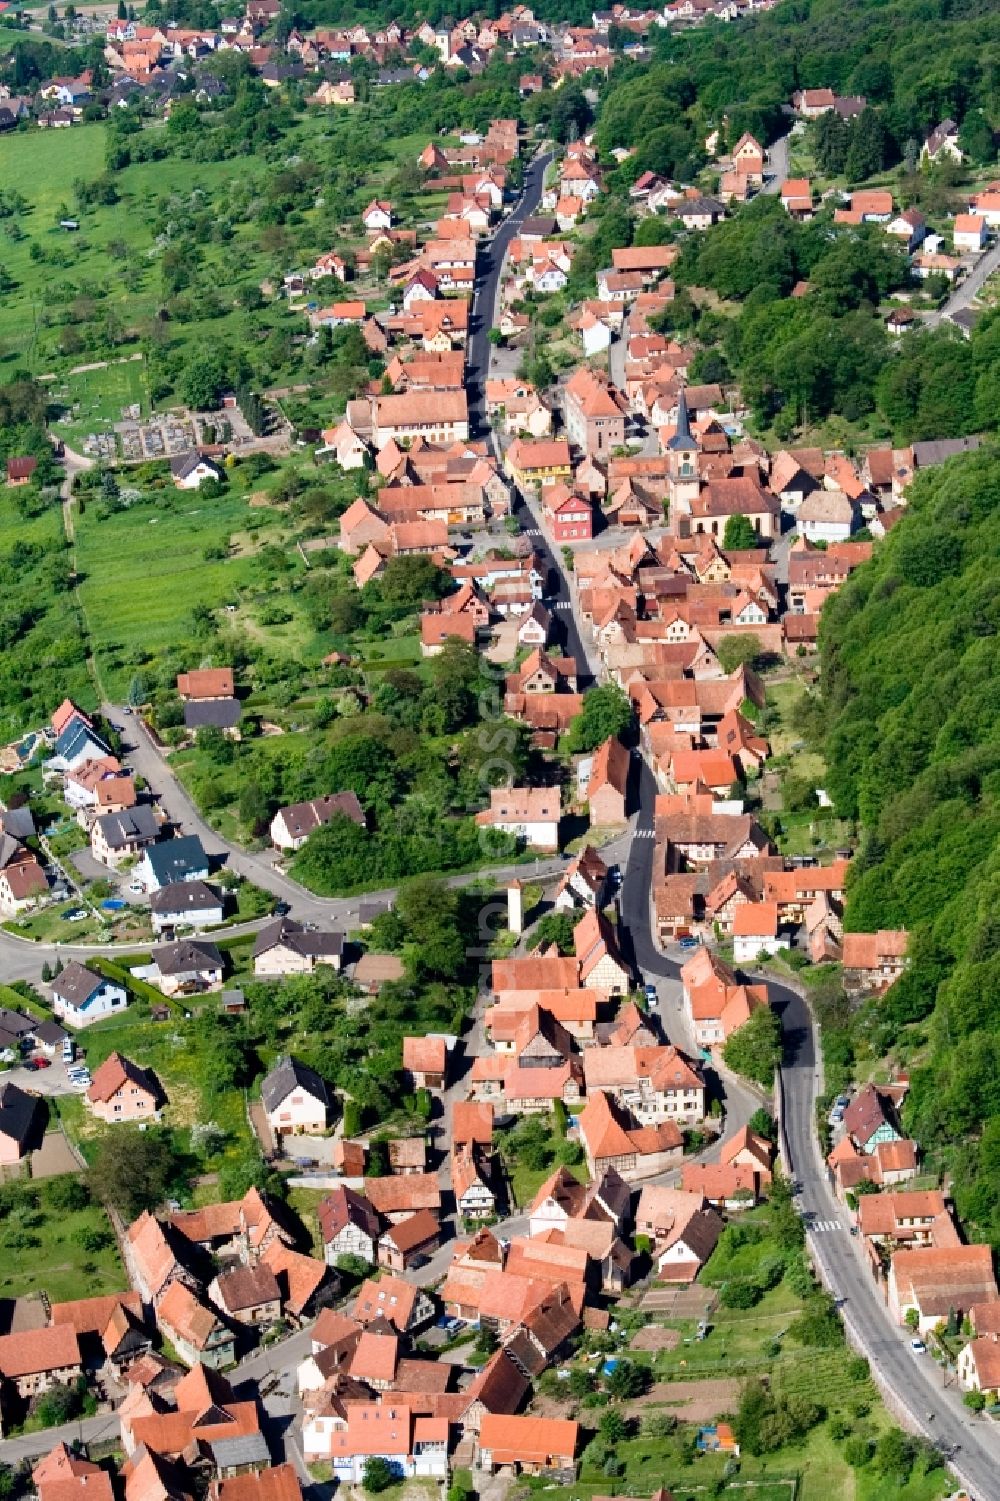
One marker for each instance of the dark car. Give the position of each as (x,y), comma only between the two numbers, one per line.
(281,909)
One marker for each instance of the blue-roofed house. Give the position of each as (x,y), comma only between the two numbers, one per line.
(77,743)
(173,860)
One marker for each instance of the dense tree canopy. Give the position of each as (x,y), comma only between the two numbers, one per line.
(911,714)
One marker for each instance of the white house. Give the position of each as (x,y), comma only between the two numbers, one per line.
(291,826)
(413,1446)
(756,931)
(826,516)
(347,449)
(689,1247)
(531,813)
(79,996)
(285,947)
(942,144)
(189,470)
(171,861)
(969,232)
(979,1365)
(595,334)
(548,277)
(377,216)
(183,967)
(190,904)
(295,1099)
(349,1225)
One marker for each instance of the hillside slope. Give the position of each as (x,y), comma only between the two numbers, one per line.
(911,709)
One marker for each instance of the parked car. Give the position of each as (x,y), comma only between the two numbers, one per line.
(918,1347)
(687,943)
(650,994)
(36,1063)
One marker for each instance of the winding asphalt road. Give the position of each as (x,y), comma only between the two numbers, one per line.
(914,1381)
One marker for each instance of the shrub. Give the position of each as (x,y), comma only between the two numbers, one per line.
(613,1426)
(858,1451)
(741,1292)
(380,1474)
(627,1380)
(658,1424)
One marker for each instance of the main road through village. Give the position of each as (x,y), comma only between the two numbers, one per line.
(912,1382)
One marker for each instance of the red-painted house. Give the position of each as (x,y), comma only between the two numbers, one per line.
(571,519)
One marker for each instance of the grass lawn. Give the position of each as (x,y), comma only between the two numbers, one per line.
(526,1181)
(50,925)
(42,1250)
(812,834)
(170,1050)
(304,1202)
(143,570)
(98,396)
(787,697)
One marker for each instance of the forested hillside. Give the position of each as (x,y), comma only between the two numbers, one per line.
(911,714)
(917,62)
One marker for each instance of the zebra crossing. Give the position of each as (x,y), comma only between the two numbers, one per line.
(532,531)
(822,1226)
(562,604)
(644,834)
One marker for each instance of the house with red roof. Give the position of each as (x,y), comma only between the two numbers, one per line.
(874,961)
(529,1446)
(611,1138)
(425,1060)
(756,931)
(35,1360)
(938,1283)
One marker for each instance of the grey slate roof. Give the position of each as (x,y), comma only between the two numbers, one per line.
(18,823)
(183,896)
(121,829)
(213,713)
(174,860)
(288,1074)
(77,983)
(185,956)
(48,1032)
(937,450)
(18,1111)
(16,1023)
(235,1453)
(287,933)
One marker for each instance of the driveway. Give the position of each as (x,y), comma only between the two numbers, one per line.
(968,290)
(776,165)
(53,1080)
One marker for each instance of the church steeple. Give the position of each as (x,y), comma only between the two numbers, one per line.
(682,437)
(683,482)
